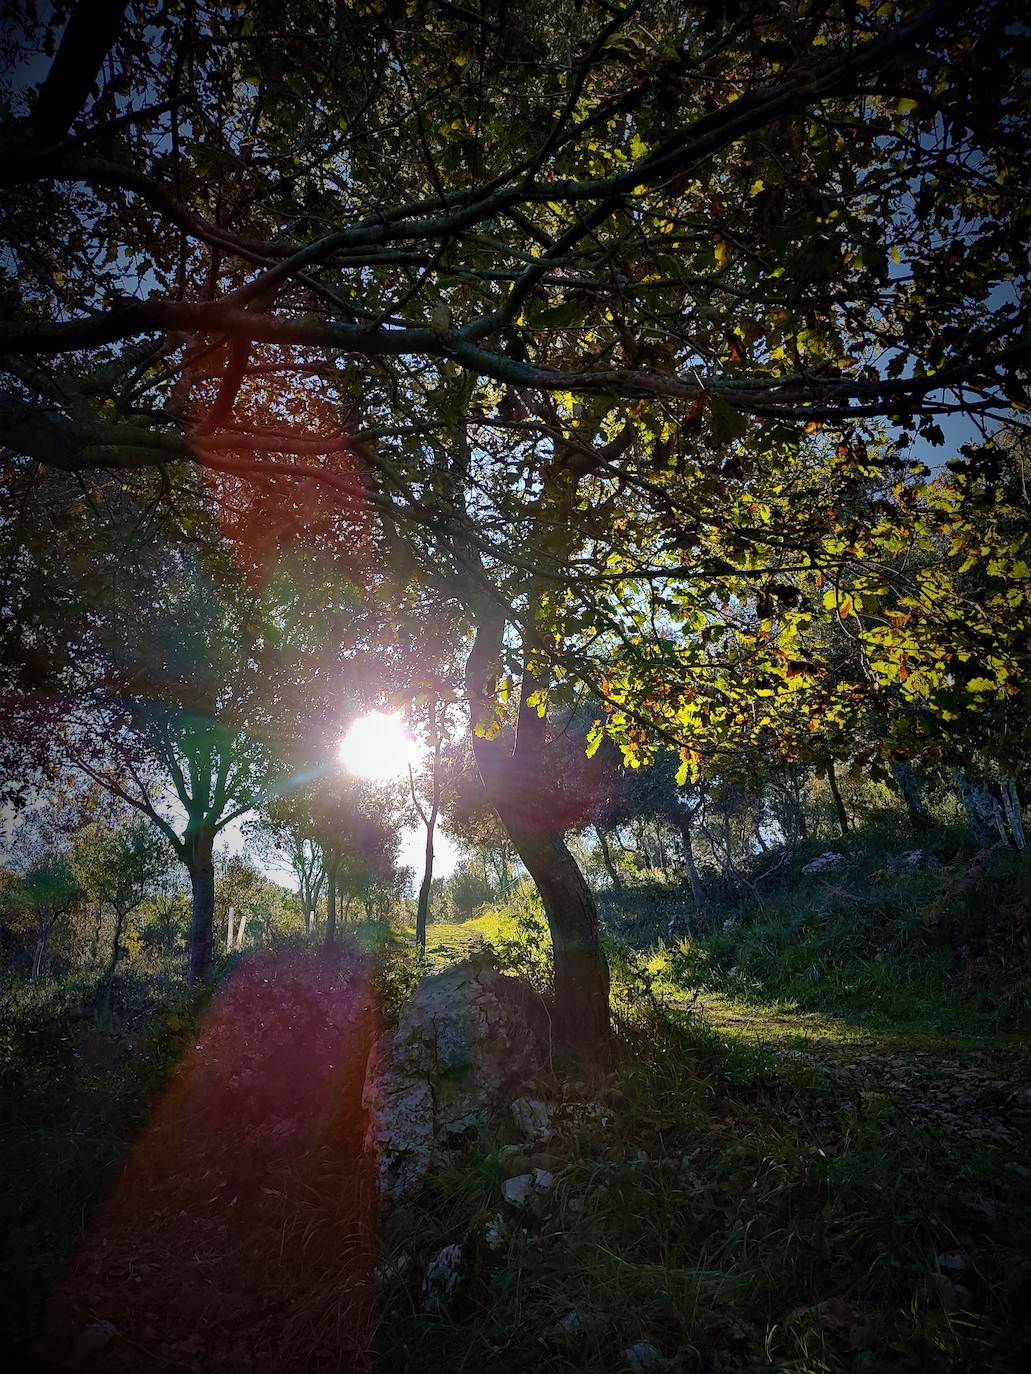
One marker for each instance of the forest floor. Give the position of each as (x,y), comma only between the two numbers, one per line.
(246,1187)
(977,1087)
(764,1188)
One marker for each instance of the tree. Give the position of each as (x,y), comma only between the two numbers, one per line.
(289,823)
(47,893)
(436,725)
(120,867)
(547,323)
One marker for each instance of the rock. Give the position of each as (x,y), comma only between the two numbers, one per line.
(953,1262)
(516,1191)
(825,862)
(732,972)
(526,1192)
(955,1296)
(468,1042)
(730,925)
(570,1324)
(642,1355)
(533,1119)
(910,858)
(494,1233)
(441,1278)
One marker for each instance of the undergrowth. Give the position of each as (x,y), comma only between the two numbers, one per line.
(732,1211)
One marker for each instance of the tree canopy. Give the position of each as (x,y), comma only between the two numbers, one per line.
(607,343)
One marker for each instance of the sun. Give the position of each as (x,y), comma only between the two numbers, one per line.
(378,747)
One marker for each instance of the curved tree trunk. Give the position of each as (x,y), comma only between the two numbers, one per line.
(512,781)
(198,854)
(581,972)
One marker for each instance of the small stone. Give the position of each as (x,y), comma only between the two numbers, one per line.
(642,1355)
(516,1191)
(526,1191)
(533,1119)
(824,862)
(494,1233)
(911,858)
(953,1262)
(441,1278)
(571,1323)
(732,972)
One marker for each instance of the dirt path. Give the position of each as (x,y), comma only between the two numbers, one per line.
(241,1234)
(980,1092)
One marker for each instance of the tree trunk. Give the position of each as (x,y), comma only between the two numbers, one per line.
(200,862)
(983,813)
(581,972)
(909,790)
(241,930)
(693,876)
(331,906)
(512,783)
(39,955)
(606,858)
(430,822)
(116,941)
(1011,806)
(839,805)
(94,944)
(423,913)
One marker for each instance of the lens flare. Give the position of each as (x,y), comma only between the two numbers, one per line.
(378,747)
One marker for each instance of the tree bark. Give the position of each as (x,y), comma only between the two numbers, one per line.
(39,954)
(606,858)
(116,941)
(839,805)
(1011,806)
(909,790)
(581,971)
(331,906)
(693,876)
(430,822)
(199,857)
(983,814)
(512,782)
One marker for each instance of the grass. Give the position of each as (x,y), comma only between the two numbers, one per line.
(754,1203)
(737,1212)
(73,1096)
